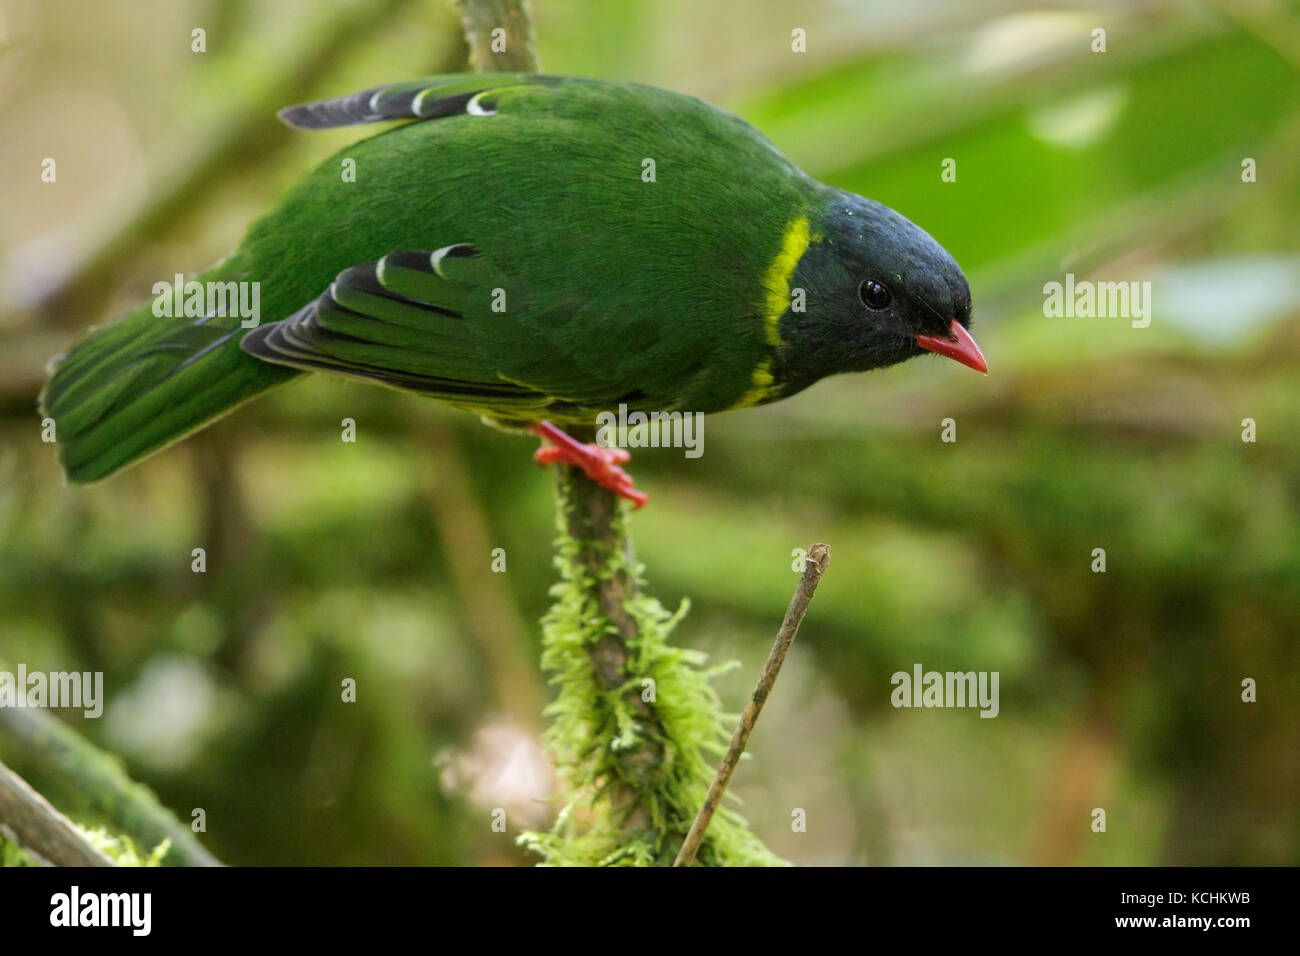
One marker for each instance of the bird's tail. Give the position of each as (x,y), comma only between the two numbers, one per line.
(153,376)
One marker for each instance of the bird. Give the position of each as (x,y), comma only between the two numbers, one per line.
(534,249)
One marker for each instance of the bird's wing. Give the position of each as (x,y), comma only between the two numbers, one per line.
(618,289)
(445,324)
(427,98)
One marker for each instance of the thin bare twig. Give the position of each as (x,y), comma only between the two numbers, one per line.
(819,555)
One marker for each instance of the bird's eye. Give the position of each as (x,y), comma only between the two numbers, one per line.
(874,294)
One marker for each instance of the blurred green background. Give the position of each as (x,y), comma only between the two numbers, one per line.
(372,560)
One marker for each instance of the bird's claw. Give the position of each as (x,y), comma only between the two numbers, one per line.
(600,464)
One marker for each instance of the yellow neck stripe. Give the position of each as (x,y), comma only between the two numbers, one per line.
(776,299)
(776,284)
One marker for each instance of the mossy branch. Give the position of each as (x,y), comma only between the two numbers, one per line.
(633,717)
(635,720)
(40,829)
(94,784)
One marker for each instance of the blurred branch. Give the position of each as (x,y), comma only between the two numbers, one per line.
(490,612)
(589,512)
(40,829)
(814,565)
(97,780)
(517,43)
(594,630)
(517,692)
(252,134)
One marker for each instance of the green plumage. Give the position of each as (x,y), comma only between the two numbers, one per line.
(506,255)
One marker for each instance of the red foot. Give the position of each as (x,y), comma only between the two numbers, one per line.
(600,464)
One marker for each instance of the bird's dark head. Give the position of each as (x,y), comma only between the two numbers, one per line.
(878,290)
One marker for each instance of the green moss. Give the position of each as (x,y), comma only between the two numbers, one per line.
(119,848)
(636,770)
(123,850)
(11,854)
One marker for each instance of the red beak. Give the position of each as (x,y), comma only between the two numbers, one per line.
(958,345)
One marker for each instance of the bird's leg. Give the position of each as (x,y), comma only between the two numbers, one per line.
(599,463)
